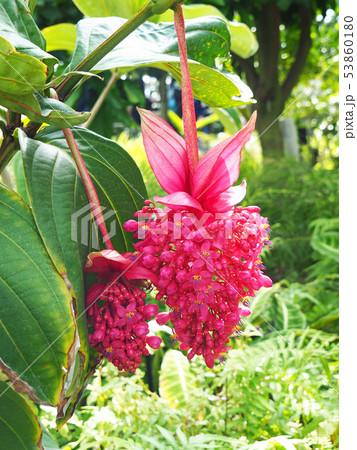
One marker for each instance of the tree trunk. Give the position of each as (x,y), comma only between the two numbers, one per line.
(263,78)
(269,134)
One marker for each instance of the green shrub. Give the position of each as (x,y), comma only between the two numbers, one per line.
(292,195)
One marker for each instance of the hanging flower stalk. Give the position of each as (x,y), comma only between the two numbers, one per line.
(203,249)
(115,305)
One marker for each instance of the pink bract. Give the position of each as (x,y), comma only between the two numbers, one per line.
(210,188)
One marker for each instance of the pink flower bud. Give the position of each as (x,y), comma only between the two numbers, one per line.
(154,342)
(162,318)
(150,311)
(131,225)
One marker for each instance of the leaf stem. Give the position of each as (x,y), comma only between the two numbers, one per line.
(188,108)
(87,182)
(101,99)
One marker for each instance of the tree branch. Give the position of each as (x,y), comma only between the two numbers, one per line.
(98,104)
(302,53)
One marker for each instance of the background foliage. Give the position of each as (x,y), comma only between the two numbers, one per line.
(278,388)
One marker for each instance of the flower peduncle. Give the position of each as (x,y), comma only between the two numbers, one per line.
(188,109)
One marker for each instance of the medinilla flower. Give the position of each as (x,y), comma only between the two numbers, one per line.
(116,309)
(203,248)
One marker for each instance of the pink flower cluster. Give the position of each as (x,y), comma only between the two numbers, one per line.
(201,253)
(120,327)
(206,269)
(116,310)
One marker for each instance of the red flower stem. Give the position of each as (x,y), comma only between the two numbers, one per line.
(88,186)
(87,182)
(188,108)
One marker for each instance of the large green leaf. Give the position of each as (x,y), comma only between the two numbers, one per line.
(56,194)
(38,334)
(156,45)
(20,73)
(19,426)
(19,28)
(41,109)
(116,177)
(207,39)
(176,380)
(243,41)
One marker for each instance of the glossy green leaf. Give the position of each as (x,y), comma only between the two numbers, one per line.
(243,41)
(206,39)
(116,177)
(176,380)
(19,28)
(41,109)
(19,426)
(20,73)
(60,37)
(56,194)
(122,8)
(37,330)
(156,45)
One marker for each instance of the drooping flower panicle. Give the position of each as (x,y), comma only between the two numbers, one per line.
(116,309)
(203,249)
(206,276)
(201,252)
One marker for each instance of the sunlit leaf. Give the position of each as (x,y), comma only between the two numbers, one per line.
(20,73)
(42,109)
(156,45)
(60,37)
(18,27)
(19,426)
(176,380)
